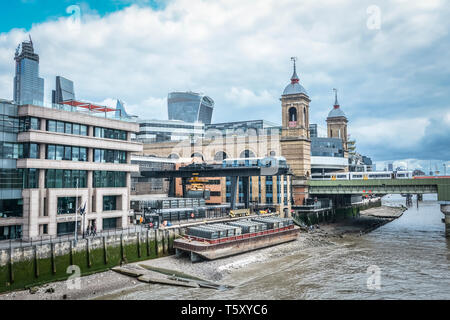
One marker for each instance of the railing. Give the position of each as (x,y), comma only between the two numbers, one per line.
(64,107)
(21,243)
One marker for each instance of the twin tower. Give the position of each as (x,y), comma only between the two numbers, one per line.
(295,138)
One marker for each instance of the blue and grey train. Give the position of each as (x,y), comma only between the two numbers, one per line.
(362,175)
(255,162)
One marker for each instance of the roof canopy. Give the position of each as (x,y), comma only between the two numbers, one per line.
(88,105)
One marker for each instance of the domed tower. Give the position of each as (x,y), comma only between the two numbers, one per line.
(295,141)
(337,124)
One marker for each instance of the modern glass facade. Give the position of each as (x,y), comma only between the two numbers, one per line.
(168,130)
(64,90)
(190,107)
(28,87)
(327,147)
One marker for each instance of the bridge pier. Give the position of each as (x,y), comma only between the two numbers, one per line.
(445,209)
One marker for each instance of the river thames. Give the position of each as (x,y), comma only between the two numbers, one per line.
(408,258)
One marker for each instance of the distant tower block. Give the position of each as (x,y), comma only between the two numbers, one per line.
(295,139)
(337,124)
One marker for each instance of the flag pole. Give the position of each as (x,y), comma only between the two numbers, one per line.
(76,215)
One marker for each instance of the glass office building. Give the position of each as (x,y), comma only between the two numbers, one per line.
(28,87)
(151,131)
(64,90)
(190,107)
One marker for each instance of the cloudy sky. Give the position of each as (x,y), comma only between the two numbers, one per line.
(388,59)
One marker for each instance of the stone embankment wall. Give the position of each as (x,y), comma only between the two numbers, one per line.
(34,265)
(338,214)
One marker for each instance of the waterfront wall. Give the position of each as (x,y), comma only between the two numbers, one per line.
(38,264)
(337,214)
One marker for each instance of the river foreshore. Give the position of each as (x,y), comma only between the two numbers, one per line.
(110,284)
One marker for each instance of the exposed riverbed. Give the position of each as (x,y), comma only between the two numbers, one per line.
(411,253)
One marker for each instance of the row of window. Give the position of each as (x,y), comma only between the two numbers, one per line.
(57,152)
(19,178)
(110,133)
(110,156)
(110,179)
(65,178)
(67,127)
(10,150)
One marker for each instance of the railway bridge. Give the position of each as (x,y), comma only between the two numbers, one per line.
(440,185)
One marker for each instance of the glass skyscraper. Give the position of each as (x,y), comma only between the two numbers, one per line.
(64,90)
(190,107)
(28,87)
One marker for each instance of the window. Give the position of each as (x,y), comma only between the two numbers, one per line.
(110,133)
(65,178)
(109,203)
(65,228)
(59,152)
(11,232)
(65,127)
(60,127)
(66,153)
(110,156)
(11,208)
(10,150)
(66,205)
(110,223)
(68,128)
(29,123)
(109,179)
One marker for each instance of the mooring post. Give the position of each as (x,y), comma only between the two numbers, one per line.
(445,209)
(36,262)
(105,251)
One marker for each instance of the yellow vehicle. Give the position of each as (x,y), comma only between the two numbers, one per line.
(239,213)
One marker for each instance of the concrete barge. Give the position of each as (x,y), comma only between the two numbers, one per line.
(200,249)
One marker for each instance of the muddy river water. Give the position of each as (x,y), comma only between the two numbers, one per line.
(408,258)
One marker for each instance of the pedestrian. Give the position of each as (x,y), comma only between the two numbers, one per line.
(94,231)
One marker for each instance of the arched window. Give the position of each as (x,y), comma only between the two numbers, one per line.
(197,155)
(292,114)
(272,153)
(247,154)
(220,155)
(173,156)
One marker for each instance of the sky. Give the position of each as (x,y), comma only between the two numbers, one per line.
(388,60)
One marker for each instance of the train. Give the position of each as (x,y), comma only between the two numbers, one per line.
(363,175)
(255,162)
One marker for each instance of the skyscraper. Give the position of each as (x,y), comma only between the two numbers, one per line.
(28,87)
(64,90)
(190,107)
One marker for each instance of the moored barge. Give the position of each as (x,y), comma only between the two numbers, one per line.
(214,241)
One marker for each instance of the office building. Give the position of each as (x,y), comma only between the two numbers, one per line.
(28,86)
(151,131)
(190,107)
(64,90)
(55,159)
